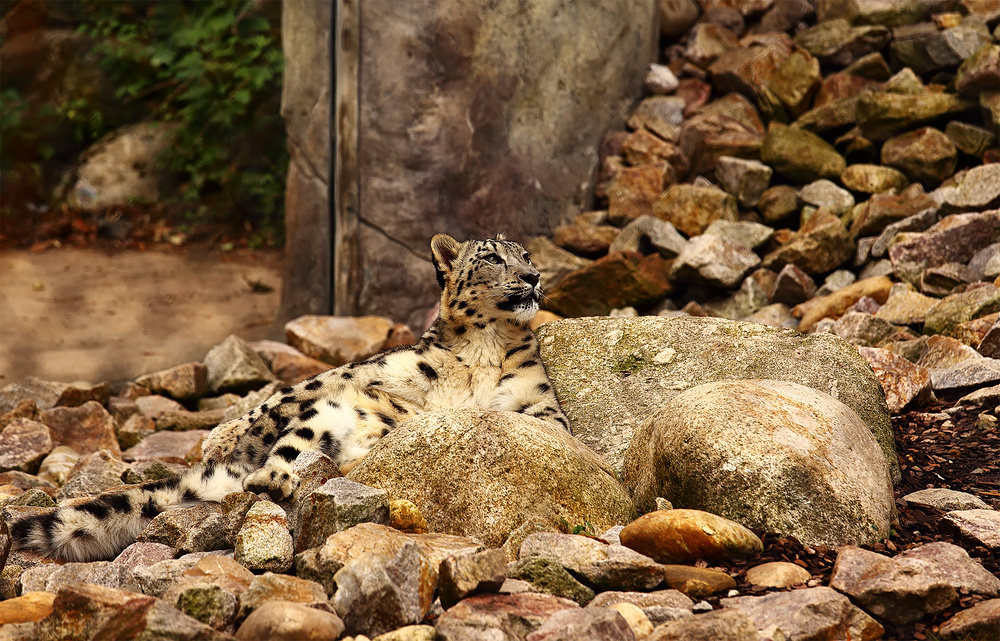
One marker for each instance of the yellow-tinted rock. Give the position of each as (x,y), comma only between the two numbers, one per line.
(636,619)
(777,574)
(281,620)
(404,516)
(683,536)
(834,305)
(30,607)
(696,582)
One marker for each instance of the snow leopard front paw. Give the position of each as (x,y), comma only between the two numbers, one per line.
(279,484)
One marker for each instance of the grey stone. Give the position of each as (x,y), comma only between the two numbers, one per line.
(170,447)
(985,264)
(585,624)
(87,428)
(945,500)
(264,543)
(52,578)
(338,505)
(883,114)
(498,616)
(881,267)
(746,233)
(836,281)
(467,574)
(825,193)
(676,17)
(864,329)
(269,587)
(980,621)
(660,79)
(45,394)
(285,620)
(122,167)
(598,565)
(944,279)
(917,222)
(793,286)
(183,382)
(143,554)
(93,474)
(90,611)
(918,582)
(156,579)
(975,372)
(554,262)
(745,179)
(728,624)
(976,301)
(313,469)
(587,358)
(969,138)
(736,437)
(153,405)
(194,529)
(713,261)
(25,444)
(183,421)
(811,614)
(661,115)
(211,604)
(837,42)
(647,234)
(979,189)
(933,50)
(549,576)
(472,456)
(377,593)
(745,301)
(233,366)
(821,245)
(890,13)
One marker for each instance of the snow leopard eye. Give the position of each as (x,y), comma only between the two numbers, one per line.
(526,257)
(493,259)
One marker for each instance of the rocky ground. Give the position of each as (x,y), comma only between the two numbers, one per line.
(825,170)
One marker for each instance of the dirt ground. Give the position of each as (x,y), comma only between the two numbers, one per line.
(90,315)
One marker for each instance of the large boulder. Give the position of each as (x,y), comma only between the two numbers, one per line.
(610,374)
(773,455)
(485,473)
(123,166)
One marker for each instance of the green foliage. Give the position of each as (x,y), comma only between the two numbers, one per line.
(14,111)
(214,68)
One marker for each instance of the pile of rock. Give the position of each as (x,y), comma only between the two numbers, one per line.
(880,228)
(826,166)
(414,543)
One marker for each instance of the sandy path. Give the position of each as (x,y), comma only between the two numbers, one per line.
(72,314)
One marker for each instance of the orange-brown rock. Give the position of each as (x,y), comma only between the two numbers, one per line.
(834,305)
(683,536)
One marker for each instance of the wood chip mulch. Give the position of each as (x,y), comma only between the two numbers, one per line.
(938,446)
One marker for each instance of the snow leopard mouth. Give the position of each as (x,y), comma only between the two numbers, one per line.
(520,301)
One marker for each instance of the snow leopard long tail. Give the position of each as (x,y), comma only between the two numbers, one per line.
(101,527)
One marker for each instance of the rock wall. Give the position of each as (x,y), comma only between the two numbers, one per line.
(476,121)
(305,106)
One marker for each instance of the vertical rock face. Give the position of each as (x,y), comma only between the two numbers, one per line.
(305,106)
(479,120)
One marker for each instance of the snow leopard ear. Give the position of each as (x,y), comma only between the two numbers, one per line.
(445,250)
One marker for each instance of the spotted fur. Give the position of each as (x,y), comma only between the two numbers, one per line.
(480,353)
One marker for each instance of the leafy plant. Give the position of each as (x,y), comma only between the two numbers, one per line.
(214,68)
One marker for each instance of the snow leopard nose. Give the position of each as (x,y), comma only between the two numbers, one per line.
(530,277)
